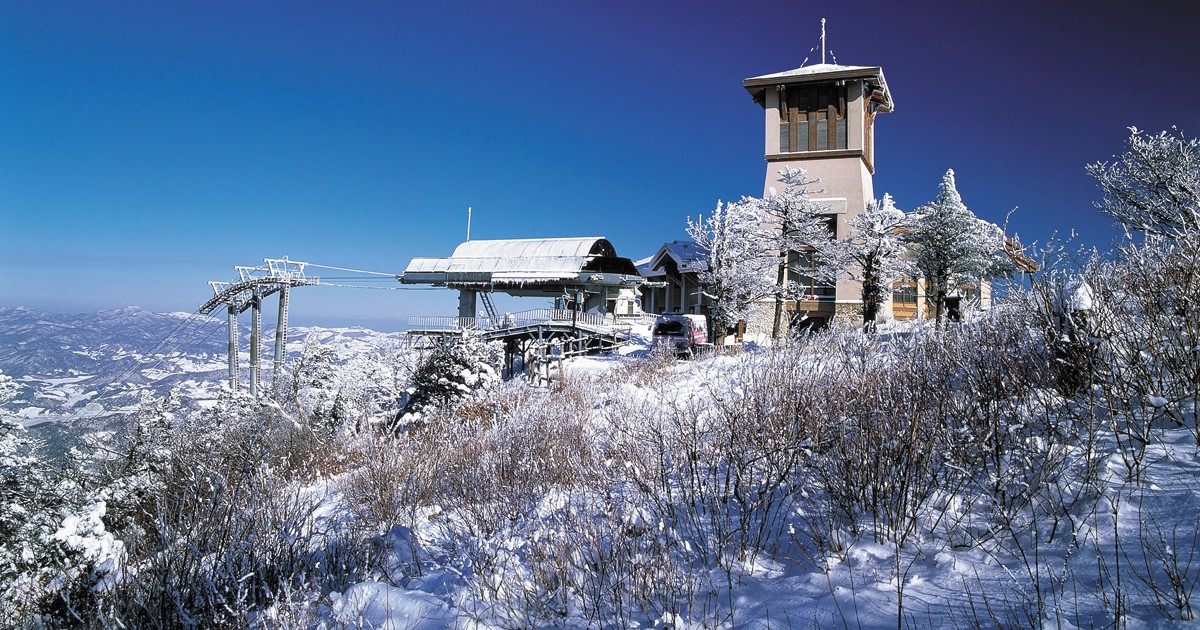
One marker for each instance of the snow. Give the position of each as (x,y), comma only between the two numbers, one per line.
(439,567)
(379,606)
(818,68)
(554,258)
(1080,296)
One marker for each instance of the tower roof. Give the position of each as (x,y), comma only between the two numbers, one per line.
(873,75)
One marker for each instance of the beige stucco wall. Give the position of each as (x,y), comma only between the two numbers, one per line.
(840,178)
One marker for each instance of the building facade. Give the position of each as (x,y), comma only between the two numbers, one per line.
(821,119)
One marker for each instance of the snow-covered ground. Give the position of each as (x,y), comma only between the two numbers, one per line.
(1120,549)
(845,480)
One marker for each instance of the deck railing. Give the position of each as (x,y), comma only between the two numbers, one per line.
(514,320)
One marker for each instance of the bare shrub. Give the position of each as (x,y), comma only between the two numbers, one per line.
(221,549)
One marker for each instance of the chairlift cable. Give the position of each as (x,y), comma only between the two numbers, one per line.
(373,273)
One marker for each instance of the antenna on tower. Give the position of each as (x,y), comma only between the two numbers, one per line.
(468,223)
(822,41)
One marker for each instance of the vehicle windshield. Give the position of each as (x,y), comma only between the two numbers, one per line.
(669,328)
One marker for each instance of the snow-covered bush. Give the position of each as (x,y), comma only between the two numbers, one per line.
(450,373)
(214,520)
(54,548)
(222,550)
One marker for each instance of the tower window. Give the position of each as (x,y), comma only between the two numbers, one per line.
(812,118)
(802,269)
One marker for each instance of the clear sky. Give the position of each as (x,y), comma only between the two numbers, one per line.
(148,147)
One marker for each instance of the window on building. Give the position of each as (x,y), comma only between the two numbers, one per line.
(904,294)
(970,293)
(802,270)
(812,118)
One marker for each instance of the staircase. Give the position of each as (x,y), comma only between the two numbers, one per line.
(488,307)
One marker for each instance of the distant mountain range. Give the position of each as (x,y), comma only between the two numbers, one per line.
(97,364)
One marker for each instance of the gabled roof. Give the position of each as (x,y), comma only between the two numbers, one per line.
(687,256)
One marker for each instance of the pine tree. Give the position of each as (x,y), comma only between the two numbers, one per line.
(449,374)
(951,247)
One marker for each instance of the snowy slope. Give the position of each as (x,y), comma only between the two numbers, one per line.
(92,365)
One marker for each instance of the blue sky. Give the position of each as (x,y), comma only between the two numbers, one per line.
(148,147)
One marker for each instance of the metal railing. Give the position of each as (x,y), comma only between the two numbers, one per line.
(514,320)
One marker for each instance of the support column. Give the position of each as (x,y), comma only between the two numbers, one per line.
(466,304)
(255,325)
(233,349)
(281,324)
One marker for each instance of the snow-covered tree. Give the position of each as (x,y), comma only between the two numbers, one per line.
(951,247)
(872,254)
(136,470)
(799,225)
(449,374)
(738,260)
(315,388)
(8,388)
(1154,187)
(53,544)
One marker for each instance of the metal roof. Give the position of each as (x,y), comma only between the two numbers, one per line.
(519,261)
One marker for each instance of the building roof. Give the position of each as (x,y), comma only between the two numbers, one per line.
(825,72)
(515,249)
(520,262)
(820,68)
(687,256)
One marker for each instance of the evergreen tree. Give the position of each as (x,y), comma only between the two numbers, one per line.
(449,374)
(952,247)
(873,254)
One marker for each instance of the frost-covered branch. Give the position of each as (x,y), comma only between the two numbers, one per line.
(1154,187)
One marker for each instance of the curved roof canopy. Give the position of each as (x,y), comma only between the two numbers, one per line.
(524,262)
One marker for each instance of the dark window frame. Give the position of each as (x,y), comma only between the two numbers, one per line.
(805,111)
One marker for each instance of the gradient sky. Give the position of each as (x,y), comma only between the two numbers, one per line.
(148,147)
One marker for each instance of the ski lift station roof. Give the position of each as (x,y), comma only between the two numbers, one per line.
(546,265)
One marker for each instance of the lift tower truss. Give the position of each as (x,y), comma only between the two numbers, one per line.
(277,275)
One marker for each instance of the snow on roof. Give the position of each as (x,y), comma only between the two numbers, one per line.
(688,256)
(513,260)
(819,68)
(535,247)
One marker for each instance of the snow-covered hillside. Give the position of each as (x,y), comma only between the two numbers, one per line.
(71,367)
